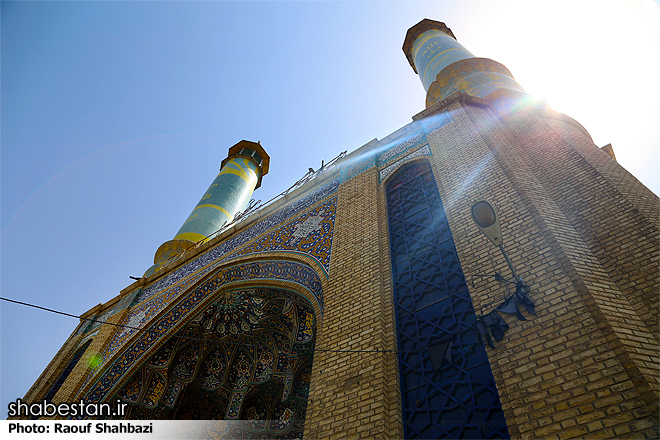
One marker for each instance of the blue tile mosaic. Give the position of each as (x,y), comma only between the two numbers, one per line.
(400,148)
(240,239)
(310,234)
(357,166)
(259,270)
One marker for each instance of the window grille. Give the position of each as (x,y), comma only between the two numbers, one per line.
(447,386)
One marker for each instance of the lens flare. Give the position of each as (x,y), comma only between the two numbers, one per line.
(94,361)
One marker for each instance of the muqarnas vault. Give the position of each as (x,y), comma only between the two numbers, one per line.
(354,306)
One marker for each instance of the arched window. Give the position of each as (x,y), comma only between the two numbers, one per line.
(447,386)
(69,368)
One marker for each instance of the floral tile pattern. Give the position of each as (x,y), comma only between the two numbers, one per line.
(290,271)
(240,239)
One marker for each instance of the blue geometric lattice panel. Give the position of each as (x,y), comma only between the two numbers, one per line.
(447,386)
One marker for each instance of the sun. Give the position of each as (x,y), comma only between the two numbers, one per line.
(598,62)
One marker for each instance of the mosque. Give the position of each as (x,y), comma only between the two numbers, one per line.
(485,271)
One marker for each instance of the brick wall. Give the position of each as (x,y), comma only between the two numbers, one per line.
(71,390)
(356,395)
(574,370)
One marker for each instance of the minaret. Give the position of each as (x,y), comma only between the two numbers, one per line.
(240,174)
(445,67)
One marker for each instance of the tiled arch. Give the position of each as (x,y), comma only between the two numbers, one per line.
(247,340)
(288,274)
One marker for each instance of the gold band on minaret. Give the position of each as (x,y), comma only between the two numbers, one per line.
(445,67)
(240,174)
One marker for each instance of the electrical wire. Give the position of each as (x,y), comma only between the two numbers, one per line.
(194,338)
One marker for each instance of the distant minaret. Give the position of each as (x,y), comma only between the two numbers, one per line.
(445,67)
(229,194)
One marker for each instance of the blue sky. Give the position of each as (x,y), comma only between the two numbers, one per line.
(116,115)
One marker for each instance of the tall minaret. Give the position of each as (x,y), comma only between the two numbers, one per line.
(229,194)
(445,67)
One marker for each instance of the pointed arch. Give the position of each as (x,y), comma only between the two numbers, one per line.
(69,368)
(250,324)
(245,355)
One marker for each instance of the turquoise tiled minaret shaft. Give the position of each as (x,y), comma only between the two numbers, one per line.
(230,192)
(445,67)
